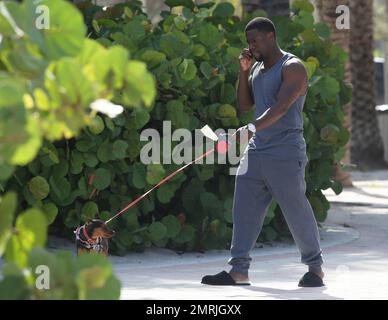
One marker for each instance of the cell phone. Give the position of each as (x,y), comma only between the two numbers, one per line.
(250,51)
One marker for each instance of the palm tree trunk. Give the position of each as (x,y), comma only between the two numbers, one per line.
(326,13)
(272,7)
(366,145)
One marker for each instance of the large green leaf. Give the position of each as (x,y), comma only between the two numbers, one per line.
(134,29)
(320,206)
(153,57)
(59,37)
(228,214)
(50,211)
(102,179)
(8,204)
(104,151)
(172,224)
(90,159)
(328,87)
(206,69)
(39,187)
(14,288)
(97,125)
(157,231)
(72,218)
(227,111)
(187,69)
(155,173)
(322,30)
(176,114)
(61,169)
(89,210)
(6,171)
(7,24)
(24,59)
(76,162)
(94,278)
(225,9)
(305,19)
(25,141)
(74,85)
(210,36)
(140,85)
(302,5)
(329,133)
(165,193)
(138,118)
(31,226)
(139,176)
(186,234)
(60,186)
(119,149)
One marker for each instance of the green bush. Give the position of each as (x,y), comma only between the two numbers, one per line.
(194,59)
(48,79)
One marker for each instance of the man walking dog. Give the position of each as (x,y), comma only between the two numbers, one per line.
(277,84)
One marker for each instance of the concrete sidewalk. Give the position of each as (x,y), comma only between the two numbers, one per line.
(355,247)
(354,239)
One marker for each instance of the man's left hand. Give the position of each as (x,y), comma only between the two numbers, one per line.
(242,135)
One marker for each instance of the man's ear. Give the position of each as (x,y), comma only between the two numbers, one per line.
(271,35)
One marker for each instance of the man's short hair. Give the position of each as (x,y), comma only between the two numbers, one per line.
(261,24)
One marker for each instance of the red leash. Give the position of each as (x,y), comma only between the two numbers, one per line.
(161,182)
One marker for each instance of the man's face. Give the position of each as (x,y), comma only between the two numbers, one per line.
(259,43)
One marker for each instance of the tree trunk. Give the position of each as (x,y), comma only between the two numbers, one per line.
(386,61)
(326,13)
(366,146)
(272,7)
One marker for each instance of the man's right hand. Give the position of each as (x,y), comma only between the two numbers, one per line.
(246,60)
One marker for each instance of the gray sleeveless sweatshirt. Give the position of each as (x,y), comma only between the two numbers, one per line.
(283,139)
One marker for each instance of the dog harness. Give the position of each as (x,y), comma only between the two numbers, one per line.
(89,243)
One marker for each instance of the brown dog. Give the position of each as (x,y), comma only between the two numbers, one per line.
(93,237)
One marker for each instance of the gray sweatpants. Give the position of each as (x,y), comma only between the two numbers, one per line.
(264,179)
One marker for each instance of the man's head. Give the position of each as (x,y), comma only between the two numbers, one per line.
(261,37)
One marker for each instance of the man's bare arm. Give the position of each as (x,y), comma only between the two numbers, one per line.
(244,95)
(294,85)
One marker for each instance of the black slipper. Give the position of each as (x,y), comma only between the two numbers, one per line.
(310,279)
(223,279)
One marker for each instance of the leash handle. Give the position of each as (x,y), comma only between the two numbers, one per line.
(157,185)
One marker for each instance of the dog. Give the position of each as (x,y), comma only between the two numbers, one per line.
(93,236)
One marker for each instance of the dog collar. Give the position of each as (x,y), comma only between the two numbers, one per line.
(88,239)
(89,243)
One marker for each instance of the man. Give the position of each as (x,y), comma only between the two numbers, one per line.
(275,156)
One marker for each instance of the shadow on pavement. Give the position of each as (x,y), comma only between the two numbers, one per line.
(369,194)
(300,293)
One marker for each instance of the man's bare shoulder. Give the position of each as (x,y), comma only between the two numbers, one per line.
(294,73)
(294,65)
